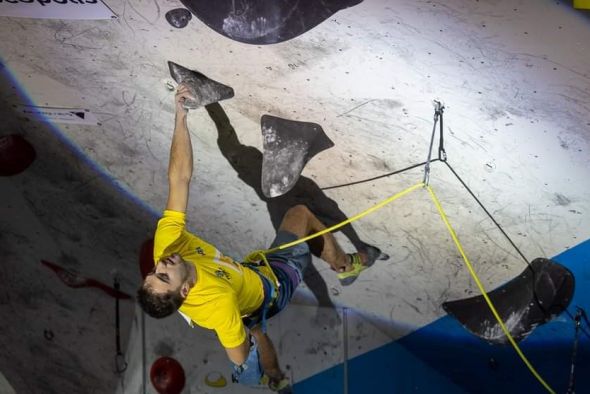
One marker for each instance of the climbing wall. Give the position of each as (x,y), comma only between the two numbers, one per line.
(513,77)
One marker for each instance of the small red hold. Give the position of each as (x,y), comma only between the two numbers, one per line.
(16,154)
(146,258)
(167,376)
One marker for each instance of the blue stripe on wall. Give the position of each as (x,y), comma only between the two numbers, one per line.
(431,358)
(388,369)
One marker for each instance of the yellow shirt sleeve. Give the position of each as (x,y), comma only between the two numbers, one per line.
(170,229)
(227,322)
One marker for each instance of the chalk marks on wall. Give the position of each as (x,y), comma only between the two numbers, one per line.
(264,21)
(536,296)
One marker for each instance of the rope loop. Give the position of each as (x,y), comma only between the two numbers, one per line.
(255,256)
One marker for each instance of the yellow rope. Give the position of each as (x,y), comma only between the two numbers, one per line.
(344,223)
(258,255)
(483,292)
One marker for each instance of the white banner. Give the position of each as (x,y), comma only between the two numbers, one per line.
(58,115)
(56,9)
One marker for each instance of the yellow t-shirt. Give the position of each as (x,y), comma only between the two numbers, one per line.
(225,290)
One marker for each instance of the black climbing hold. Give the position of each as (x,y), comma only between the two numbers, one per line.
(179,17)
(206,91)
(536,296)
(264,21)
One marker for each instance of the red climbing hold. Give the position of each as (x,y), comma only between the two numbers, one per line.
(146,258)
(167,376)
(16,154)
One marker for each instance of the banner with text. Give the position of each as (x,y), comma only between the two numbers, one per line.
(58,115)
(56,9)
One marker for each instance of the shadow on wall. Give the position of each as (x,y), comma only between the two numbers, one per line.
(66,209)
(247,162)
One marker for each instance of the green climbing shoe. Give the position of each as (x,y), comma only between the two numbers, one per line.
(373,254)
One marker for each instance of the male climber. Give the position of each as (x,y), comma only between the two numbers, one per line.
(214,291)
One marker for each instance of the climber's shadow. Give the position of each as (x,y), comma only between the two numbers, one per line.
(247,161)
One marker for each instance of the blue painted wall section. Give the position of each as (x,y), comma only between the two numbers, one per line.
(444,352)
(389,369)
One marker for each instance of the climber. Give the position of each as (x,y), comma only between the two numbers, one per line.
(214,291)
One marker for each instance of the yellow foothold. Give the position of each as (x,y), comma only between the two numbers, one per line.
(215,379)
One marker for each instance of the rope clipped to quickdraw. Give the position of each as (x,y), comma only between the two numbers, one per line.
(258,256)
(442,154)
(438,111)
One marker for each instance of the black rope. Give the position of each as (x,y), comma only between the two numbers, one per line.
(438,112)
(584,316)
(488,213)
(538,302)
(378,177)
(585,319)
(572,380)
(442,154)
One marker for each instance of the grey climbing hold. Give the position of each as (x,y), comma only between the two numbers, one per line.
(206,91)
(179,17)
(288,145)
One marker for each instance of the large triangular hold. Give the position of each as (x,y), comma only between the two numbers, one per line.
(536,296)
(288,145)
(206,91)
(264,21)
